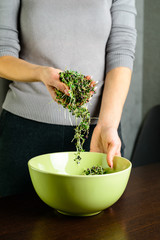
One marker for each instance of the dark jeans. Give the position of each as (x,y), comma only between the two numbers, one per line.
(21,139)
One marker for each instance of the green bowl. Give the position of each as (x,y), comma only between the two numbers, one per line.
(58,182)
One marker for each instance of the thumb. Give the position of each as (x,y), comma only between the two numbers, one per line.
(62,87)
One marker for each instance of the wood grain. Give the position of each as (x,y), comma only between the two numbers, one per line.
(135,216)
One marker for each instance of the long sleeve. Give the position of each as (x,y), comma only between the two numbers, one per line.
(121,44)
(43,26)
(9,42)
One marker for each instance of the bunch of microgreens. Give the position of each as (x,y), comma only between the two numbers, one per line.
(81,88)
(95,171)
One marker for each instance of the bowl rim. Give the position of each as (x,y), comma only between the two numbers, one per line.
(78,176)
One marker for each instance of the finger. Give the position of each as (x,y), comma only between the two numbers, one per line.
(88,77)
(118,153)
(95,150)
(91,92)
(110,154)
(62,87)
(93,84)
(53,93)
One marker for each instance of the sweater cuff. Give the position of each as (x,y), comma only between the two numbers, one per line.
(119,61)
(8,53)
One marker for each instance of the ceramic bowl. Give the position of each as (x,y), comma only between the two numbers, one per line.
(58,182)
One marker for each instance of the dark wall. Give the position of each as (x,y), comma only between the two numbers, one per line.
(151,57)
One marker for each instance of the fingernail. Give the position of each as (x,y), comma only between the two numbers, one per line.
(111,165)
(88,77)
(66,92)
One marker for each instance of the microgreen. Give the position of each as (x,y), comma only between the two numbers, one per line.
(80,88)
(95,170)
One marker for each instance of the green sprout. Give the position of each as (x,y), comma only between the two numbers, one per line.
(95,170)
(81,89)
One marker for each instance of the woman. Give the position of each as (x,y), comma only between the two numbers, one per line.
(38,39)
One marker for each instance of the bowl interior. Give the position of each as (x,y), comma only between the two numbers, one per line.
(63,163)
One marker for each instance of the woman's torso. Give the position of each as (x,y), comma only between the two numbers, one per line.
(65,35)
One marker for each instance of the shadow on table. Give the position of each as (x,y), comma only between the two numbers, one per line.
(96,227)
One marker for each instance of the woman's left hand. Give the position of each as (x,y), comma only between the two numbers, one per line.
(106,140)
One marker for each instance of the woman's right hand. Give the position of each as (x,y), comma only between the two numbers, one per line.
(16,69)
(50,77)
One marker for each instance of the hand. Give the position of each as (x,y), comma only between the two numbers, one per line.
(106,140)
(50,77)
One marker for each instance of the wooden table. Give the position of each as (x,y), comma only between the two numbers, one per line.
(135,216)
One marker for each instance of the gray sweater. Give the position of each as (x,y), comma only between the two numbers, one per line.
(89,36)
